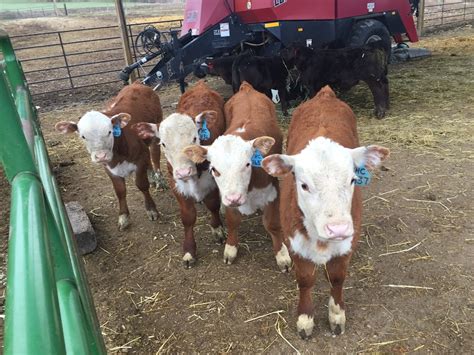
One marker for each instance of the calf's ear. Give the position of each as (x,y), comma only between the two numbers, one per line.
(121,118)
(277,164)
(263,144)
(196,153)
(210,116)
(370,156)
(145,130)
(66,127)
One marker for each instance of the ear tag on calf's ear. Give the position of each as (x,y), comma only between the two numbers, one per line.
(363,176)
(256,159)
(204,133)
(116,130)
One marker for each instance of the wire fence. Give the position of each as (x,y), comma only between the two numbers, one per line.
(73,59)
(64,60)
(165,7)
(440,13)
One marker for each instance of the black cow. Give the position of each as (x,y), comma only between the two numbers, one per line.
(222,67)
(342,69)
(263,73)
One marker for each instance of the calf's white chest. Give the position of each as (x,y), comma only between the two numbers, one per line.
(197,188)
(257,199)
(308,248)
(122,169)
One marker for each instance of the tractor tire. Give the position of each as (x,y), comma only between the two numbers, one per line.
(369,30)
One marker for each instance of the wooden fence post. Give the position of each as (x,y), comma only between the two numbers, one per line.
(124,36)
(421,17)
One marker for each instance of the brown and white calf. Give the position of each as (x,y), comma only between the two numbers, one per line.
(112,143)
(251,125)
(191,182)
(320,207)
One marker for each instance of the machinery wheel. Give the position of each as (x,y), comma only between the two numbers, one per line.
(369,30)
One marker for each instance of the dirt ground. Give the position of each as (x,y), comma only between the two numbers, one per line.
(417,232)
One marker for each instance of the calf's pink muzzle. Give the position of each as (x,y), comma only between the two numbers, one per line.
(184,173)
(101,157)
(338,231)
(234,200)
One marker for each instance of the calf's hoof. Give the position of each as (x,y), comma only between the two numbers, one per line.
(283,259)
(152,215)
(230,252)
(219,233)
(337,317)
(157,179)
(188,261)
(305,325)
(123,221)
(380,112)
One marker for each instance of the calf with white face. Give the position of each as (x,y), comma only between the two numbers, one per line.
(190,182)
(111,143)
(324,229)
(244,189)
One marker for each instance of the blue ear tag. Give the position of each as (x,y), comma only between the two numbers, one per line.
(116,130)
(204,133)
(256,159)
(362,176)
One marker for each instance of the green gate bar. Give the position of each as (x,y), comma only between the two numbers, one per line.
(49,308)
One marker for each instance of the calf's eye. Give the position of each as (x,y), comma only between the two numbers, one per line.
(109,133)
(305,187)
(194,140)
(83,137)
(353,181)
(163,144)
(247,165)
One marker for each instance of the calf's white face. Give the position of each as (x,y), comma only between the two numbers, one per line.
(96,130)
(324,178)
(230,164)
(176,132)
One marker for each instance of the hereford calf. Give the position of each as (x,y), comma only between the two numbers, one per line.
(191,182)
(110,142)
(252,131)
(320,207)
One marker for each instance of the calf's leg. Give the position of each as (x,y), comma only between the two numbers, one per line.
(141,180)
(233,219)
(213,204)
(283,100)
(305,277)
(155,154)
(336,274)
(121,192)
(271,222)
(379,92)
(188,218)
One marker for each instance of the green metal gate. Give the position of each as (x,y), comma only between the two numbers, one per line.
(49,309)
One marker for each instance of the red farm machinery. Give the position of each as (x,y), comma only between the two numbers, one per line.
(213,28)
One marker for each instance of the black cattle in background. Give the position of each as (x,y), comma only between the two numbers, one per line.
(342,69)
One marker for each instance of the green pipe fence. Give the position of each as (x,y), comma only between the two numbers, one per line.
(49,308)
